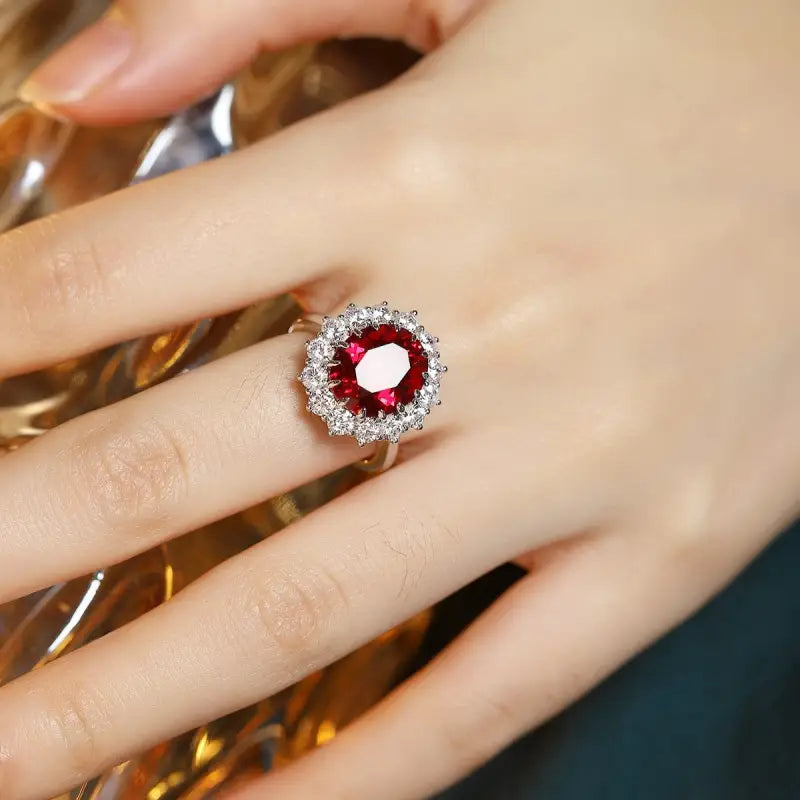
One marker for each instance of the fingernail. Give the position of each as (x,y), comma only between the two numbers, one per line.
(79,68)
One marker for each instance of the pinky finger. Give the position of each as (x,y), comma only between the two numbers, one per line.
(552,637)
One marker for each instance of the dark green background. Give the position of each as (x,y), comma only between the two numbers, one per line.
(711,712)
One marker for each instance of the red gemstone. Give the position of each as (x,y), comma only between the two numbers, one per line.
(378,369)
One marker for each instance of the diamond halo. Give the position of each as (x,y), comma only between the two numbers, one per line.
(336,391)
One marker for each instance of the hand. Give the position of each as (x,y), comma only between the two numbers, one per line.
(595,211)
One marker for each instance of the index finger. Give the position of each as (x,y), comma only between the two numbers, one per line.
(193,244)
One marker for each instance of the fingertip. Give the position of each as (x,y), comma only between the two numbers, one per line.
(130,65)
(153,58)
(82,66)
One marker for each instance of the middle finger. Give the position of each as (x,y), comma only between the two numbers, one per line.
(115,482)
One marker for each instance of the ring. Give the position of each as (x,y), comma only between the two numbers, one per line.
(371,373)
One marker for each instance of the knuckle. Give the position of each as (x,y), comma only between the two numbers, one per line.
(416,540)
(475,732)
(134,477)
(688,510)
(294,613)
(418,164)
(55,278)
(697,533)
(77,717)
(260,400)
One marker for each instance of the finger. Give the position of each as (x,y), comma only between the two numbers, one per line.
(147,58)
(550,639)
(259,622)
(195,449)
(197,243)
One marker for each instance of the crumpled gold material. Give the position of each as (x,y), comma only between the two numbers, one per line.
(46,166)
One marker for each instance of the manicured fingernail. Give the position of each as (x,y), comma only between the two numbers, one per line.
(82,65)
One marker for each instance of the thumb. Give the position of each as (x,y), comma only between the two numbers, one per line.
(147,58)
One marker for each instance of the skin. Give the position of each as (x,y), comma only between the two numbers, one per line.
(595,212)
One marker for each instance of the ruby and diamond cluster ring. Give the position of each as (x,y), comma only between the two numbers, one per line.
(371,372)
